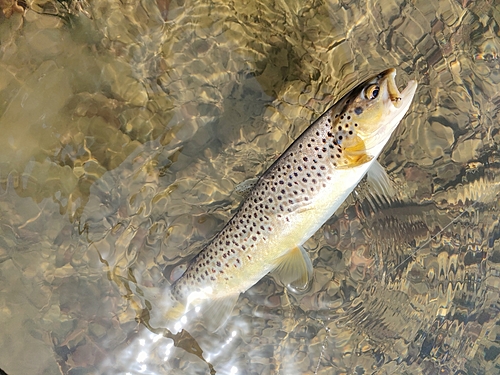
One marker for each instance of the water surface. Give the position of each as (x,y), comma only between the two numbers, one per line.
(126,127)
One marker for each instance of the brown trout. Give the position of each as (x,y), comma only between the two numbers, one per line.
(291,201)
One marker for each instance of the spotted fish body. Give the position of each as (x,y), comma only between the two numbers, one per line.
(293,199)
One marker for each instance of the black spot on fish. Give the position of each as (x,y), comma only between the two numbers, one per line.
(358,110)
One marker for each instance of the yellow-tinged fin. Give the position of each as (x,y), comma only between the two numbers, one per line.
(165,309)
(217,311)
(175,312)
(294,269)
(355,157)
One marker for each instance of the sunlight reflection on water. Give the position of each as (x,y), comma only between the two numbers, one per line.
(127,128)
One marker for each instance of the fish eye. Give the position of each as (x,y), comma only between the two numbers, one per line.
(372,92)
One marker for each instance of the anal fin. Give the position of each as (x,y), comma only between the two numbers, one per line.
(294,270)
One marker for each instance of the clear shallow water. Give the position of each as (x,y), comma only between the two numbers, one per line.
(125,134)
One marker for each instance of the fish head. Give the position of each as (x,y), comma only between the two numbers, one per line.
(371,112)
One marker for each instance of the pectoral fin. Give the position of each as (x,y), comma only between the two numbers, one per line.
(379,181)
(217,311)
(294,269)
(377,189)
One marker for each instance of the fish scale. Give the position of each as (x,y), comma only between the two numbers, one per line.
(290,183)
(293,198)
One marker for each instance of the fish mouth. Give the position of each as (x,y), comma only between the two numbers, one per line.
(394,105)
(399,99)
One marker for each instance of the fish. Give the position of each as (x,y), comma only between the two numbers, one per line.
(291,200)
